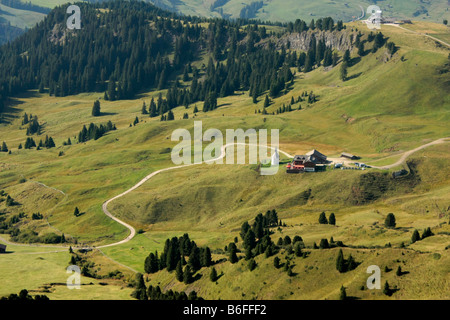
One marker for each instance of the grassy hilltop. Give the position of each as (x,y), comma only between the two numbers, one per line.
(389,104)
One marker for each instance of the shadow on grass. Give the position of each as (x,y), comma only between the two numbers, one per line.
(354,76)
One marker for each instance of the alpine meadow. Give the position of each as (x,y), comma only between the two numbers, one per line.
(348,199)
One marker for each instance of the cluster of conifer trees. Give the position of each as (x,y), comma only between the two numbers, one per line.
(94,131)
(173,258)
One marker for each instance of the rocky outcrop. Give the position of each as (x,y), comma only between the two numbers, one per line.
(339,40)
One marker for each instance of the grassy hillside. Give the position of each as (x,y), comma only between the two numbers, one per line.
(390,104)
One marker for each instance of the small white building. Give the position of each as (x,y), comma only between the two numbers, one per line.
(275,158)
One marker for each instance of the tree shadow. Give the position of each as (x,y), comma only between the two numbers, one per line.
(198,276)
(354,61)
(220,275)
(354,76)
(224,105)
(102,114)
(352,298)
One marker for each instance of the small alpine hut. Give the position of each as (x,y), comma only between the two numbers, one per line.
(306,163)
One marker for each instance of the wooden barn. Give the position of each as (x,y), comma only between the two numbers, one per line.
(349,156)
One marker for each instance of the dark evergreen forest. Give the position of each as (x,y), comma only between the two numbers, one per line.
(125,47)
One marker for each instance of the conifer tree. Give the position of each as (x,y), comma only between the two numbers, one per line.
(343,294)
(187,275)
(298,249)
(266,101)
(232,253)
(213,275)
(332,219)
(415,237)
(344,72)
(252,264)
(340,262)
(76,213)
(323,218)
(96,109)
(144,108)
(276,262)
(179,271)
(390,221)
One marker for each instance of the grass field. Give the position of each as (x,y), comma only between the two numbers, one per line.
(388,106)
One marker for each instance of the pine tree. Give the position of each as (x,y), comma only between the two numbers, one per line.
(332,219)
(324,244)
(96,109)
(266,101)
(4,147)
(298,249)
(170,116)
(415,237)
(276,262)
(390,221)
(144,108)
(340,262)
(206,257)
(232,253)
(194,259)
(399,271)
(344,73)
(187,275)
(361,49)
(213,275)
(76,213)
(343,294)
(252,264)
(179,271)
(249,240)
(323,218)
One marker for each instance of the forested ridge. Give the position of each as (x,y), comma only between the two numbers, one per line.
(124,47)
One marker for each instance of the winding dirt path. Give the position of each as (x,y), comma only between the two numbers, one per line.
(406,154)
(419,33)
